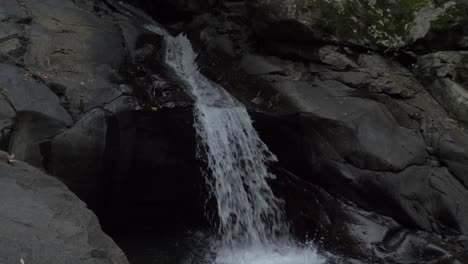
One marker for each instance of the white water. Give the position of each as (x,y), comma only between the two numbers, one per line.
(251,222)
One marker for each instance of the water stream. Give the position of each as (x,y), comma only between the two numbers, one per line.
(252,226)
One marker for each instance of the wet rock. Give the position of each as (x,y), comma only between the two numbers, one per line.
(355,235)
(430,197)
(41,221)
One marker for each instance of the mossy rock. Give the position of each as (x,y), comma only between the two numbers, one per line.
(378,24)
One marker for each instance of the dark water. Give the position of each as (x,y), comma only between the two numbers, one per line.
(166,247)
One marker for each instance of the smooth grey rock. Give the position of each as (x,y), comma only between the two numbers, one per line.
(360,235)
(431,197)
(28,95)
(257,65)
(375,139)
(11,11)
(42,222)
(76,48)
(452,148)
(39,114)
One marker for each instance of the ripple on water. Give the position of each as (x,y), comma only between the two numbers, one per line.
(269,255)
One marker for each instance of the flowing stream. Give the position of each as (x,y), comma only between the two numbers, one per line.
(252,228)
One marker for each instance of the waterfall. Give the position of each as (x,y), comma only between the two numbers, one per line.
(237,158)
(251,221)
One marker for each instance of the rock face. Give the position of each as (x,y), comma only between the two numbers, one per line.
(376,24)
(58,66)
(59,90)
(69,95)
(41,221)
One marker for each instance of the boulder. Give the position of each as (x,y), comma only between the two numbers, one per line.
(41,221)
(365,132)
(38,112)
(27,95)
(430,198)
(355,235)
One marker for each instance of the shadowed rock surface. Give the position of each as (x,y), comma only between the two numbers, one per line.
(41,221)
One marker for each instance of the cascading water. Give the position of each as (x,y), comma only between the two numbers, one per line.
(252,227)
(237,158)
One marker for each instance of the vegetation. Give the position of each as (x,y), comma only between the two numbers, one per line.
(378,23)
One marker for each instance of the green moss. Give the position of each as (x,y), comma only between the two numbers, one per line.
(383,24)
(457,14)
(361,21)
(376,23)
